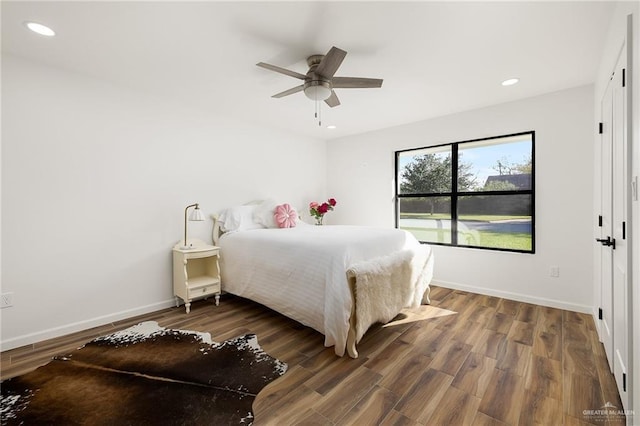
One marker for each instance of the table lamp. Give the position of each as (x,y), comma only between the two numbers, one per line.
(196,215)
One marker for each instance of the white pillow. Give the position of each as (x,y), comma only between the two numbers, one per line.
(263,214)
(238,218)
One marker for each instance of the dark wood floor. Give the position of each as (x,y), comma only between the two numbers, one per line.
(467,359)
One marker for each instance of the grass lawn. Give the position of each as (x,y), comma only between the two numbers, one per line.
(503,240)
(511,241)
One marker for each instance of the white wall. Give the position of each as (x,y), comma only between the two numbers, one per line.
(95,180)
(615,39)
(361,178)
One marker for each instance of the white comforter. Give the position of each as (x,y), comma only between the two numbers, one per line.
(301,272)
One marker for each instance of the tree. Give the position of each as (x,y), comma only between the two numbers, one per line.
(427,174)
(497,185)
(526,167)
(467,180)
(504,167)
(431,174)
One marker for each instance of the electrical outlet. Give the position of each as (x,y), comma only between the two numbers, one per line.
(554,271)
(6,300)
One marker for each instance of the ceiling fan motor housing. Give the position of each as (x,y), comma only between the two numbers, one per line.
(316,87)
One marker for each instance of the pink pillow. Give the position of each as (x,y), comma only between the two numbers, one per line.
(285,216)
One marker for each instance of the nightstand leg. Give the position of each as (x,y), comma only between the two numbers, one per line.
(177,301)
(187,306)
(217,299)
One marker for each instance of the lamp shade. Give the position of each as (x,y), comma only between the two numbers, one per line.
(196,215)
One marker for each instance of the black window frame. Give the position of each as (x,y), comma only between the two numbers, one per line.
(455,194)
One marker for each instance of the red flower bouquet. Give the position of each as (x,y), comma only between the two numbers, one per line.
(319,210)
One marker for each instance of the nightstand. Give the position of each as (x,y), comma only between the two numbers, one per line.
(196,272)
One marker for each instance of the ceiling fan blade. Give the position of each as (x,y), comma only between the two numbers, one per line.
(355,83)
(331,62)
(282,70)
(332,100)
(289,92)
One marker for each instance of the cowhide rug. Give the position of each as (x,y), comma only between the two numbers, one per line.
(145,374)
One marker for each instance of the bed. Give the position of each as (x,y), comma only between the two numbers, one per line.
(336,279)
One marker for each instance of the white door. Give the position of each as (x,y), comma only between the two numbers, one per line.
(613,236)
(606,253)
(619,219)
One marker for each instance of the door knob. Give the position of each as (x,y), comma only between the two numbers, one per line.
(607,242)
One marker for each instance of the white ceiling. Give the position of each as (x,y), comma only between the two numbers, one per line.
(436,58)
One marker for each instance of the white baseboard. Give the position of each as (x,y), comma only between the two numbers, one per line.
(585,309)
(63,330)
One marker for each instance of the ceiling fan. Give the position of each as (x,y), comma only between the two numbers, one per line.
(319,81)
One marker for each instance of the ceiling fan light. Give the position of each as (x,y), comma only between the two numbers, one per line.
(317,90)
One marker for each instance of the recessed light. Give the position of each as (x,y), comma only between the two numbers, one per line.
(40,29)
(510,82)
(331,126)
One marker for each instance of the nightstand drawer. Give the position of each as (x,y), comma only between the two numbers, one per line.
(204,291)
(200,254)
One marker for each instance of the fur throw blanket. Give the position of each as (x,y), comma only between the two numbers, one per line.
(385,285)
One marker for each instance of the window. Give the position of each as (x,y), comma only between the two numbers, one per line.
(477,193)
